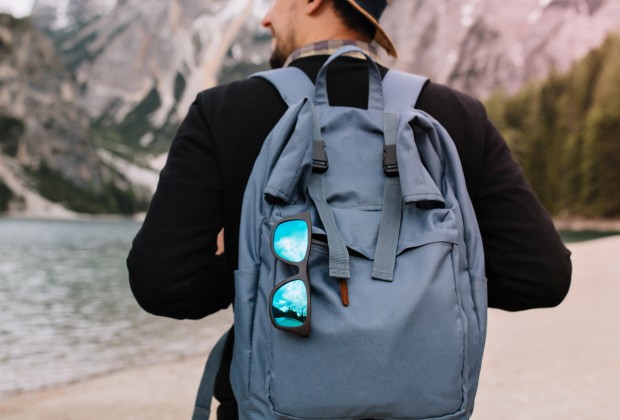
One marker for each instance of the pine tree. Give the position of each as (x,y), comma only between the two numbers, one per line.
(565,132)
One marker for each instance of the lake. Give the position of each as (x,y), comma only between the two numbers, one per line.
(584,235)
(67,310)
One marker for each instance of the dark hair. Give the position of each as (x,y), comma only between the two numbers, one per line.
(353,19)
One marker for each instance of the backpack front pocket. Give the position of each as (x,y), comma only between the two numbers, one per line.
(398,350)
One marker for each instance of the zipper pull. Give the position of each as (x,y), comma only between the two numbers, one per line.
(344,292)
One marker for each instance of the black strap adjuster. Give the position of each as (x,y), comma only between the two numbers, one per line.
(390,162)
(319,157)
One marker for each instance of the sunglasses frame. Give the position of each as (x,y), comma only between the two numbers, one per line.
(303,274)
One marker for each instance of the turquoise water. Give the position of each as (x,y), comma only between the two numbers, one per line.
(67,310)
(584,235)
(287,322)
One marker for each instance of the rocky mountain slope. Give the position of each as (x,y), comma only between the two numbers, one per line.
(44,133)
(155,56)
(140,64)
(481,45)
(37,96)
(134,67)
(41,125)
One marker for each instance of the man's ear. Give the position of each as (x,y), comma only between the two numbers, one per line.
(313,6)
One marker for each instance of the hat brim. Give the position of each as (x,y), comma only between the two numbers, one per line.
(381,37)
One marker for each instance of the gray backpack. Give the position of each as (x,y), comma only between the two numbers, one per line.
(361,290)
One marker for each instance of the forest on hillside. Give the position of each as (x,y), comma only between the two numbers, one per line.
(565,132)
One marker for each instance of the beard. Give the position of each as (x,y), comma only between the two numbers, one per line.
(283,46)
(278,58)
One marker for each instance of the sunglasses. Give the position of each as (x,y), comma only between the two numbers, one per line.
(290,299)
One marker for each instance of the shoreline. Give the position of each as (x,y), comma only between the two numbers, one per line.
(540,364)
(77,217)
(562,223)
(585,224)
(164,390)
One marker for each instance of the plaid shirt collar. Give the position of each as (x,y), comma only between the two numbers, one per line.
(331,46)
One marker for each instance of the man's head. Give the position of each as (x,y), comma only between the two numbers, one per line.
(295,23)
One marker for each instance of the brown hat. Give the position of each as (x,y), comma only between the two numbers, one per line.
(372,10)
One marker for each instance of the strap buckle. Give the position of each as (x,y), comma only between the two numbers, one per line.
(390,161)
(319,157)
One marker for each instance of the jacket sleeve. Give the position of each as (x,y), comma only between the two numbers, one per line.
(173,269)
(527,264)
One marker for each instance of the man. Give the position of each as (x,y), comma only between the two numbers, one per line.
(173,266)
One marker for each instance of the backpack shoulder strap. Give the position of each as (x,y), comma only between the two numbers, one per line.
(291,82)
(401,90)
(202,407)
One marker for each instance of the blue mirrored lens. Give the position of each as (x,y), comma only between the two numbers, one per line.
(290,240)
(290,304)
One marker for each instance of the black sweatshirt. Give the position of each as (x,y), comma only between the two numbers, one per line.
(173,269)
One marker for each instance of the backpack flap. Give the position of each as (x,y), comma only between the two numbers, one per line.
(417,184)
(292,151)
(295,158)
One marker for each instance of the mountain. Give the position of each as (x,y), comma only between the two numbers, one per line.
(133,68)
(479,46)
(140,64)
(44,135)
(155,56)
